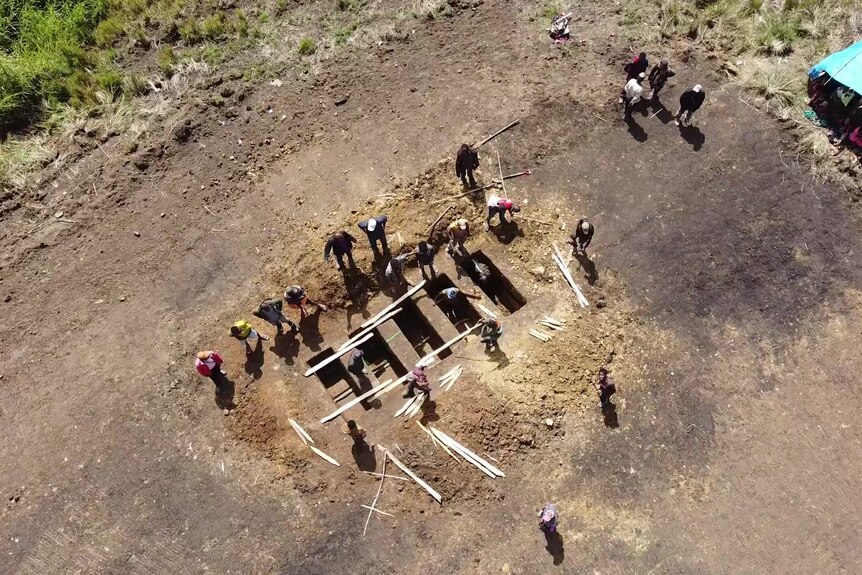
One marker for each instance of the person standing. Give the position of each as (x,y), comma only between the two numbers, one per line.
(581,237)
(270,310)
(208,364)
(606,388)
(548,518)
(498,206)
(689,103)
(633,93)
(417,379)
(296,298)
(425,257)
(245,334)
(658,78)
(492,329)
(395,271)
(357,434)
(375,229)
(458,231)
(466,161)
(341,244)
(639,65)
(356,365)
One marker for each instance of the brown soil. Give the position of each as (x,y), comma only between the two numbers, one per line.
(729,299)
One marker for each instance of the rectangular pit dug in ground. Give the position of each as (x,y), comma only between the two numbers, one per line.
(417,330)
(342,386)
(498,288)
(462,314)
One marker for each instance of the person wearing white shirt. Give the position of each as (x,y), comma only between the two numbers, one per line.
(633,93)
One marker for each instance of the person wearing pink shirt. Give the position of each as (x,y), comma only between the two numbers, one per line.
(208,364)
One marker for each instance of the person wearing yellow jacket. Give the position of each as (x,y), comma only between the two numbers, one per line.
(244,333)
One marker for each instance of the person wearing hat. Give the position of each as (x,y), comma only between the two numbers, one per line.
(208,364)
(689,103)
(548,518)
(417,379)
(633,93)
(658,78)
(270,311)
(341,244)
(491,331)
(356,365)
(458,231)
(498,206)
(243,333)
(375,229)
(581,237)
(466,161)
(425,257)
(357,434)
(296,298)
(639,65)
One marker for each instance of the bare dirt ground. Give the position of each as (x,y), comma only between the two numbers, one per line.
(731,318)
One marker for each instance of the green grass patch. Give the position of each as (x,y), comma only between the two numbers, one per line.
(307,46)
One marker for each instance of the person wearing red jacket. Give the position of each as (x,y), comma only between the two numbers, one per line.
(208,364)
(498,206)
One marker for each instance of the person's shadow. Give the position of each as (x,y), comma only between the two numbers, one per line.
(635,129)
(364,456)
(224,394)
(693,136)
(498,356)
(429,412)
(286,346)
(663,114)
(506,233)
(554,546)
(609,415)
(309,328)
(588,266)
(254,361)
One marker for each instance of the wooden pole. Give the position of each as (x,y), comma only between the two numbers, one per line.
(437,221)
(482,188)
(502,179)
(385,310)
(324,456)
(305,437)
(370,328)
(389,475)
(413,476)
(377,510)
(466,456)
(495,134)
(466,452)
(336,355)
(379,488)
(381,389)
(429,359)
(437,441)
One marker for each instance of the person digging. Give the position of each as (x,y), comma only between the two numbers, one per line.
(490,334)
(458,232)
(498,206)
(581,238)
(297,298)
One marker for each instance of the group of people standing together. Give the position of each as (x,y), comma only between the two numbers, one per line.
(632,93)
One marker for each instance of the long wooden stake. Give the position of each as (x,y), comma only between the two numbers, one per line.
(495,134)
(413,476)
(466,452)
(437,221)
(370,328)
(429,359)
(380,389)
(385,310)
(377,510)
(581,299)
(494,183)
(324,456)
(388,475)
(502,179)
(466,456)
(305,437)
(437,441)
(337,355)
(379,488)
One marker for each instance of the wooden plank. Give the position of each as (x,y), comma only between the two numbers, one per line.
(380,389)
(466,456)
(324,456)
(370,328)
(452,443)
(305,437)
(437,441)
(377,510)
(336,355)
(385,310)
(495,134)
(581,299)
(437,221)
(487,312)
(448,373)
(407,405)
(413,476)
(429,359)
